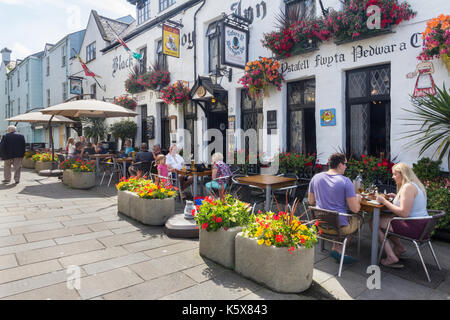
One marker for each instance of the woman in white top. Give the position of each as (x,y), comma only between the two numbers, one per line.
(176,162)
(410,201)
(71,149)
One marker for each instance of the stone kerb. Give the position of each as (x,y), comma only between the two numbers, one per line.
(28,163)
(274,267)
(153,212)
(39,166)
(219,245)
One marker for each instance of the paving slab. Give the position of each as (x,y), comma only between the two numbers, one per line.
(205,272)
(82,237)
(155,242)
(172,249)
(5,232)
(103,283)
(8,261)
(37,228)
(29,270)
(57,251)
(109,225)
(57,233)
(54,292)
(154,289)
(121,239)
(27,247)
(93,256)
(115,263)
(6,241)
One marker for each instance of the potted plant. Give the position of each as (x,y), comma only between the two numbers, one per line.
(155,79)
(27,161)
(261,74)
(43,161)
(277,250)
(145,201)
(66,166)
(177,94)
(219,221)
(82,174)
(131,84)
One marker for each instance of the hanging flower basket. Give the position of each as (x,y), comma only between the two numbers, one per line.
(177,94)
(154,80)
(132,86)
(126,101)
(260,75)
(437,40)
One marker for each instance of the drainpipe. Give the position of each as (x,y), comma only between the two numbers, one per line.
(195,39)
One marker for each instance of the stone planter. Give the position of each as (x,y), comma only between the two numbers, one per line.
(219,245)
(82,180)
(274,267)
(39,166)
(153,212)
(27,163)
(67,177)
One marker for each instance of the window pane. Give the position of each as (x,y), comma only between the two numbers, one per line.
(294,93)
(310,92)
(359,129)
(296,128)
(246,101)
(213,54)
(379,82)
(357,85)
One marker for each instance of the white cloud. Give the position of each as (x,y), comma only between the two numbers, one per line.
(19,51)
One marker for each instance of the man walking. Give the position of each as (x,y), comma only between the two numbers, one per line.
(12,150)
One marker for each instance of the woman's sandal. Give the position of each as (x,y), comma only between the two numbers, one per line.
(395,265)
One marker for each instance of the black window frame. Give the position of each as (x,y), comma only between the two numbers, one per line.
(143,61)
(214,35)
(304,106)
(164,4)
(91,51)
(368,98)
(161,58)
(48,66)
(292,3)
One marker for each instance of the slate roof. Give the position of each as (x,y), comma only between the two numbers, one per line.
(109,26)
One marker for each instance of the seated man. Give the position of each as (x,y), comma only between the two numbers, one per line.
(331,190)
(142,156)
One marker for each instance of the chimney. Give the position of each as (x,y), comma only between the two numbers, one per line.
(6,55)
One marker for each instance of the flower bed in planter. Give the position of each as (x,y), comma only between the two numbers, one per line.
(28,163)
(277,250)
(78,174)
(145,201)
(220,220)
(43,161)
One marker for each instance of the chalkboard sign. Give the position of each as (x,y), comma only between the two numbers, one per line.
(150,127)
(271,121)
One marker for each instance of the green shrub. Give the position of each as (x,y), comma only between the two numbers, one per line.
(427,169)
(438,198)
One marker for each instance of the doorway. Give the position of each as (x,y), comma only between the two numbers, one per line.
(218,119)
(165,133)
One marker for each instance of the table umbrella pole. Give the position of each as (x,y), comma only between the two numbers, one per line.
(51,141)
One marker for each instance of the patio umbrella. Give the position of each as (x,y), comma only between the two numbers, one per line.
(86,108)
(38,117)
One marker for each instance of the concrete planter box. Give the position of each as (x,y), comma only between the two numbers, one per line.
(274,267)
(153,212)
(27,163)
(67,177)
(82,180)
(39,166)
(219,245)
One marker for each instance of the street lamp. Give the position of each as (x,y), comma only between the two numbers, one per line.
(217,77)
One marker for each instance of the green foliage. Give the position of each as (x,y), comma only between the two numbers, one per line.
(432,114)
(123,129)
(438,198)
(373,170)
(94,128)
(427,169)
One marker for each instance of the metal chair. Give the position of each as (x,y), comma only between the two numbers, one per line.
(247,193)
(423,239)
(330,220)
(144,166)
(173,181)
(113,168)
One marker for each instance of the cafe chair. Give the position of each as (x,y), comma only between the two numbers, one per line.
(144,166)
(113,168)
(173,181)
(297,191)
(329,219)
(247,193)
(387,187)
(422,240)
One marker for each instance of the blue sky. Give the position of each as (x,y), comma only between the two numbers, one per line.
(27,25)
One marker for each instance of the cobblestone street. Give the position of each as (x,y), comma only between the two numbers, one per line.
(46,227)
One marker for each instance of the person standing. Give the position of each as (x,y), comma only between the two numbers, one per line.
(12,150)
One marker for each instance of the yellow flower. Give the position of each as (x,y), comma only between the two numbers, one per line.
(261,241)
(303,227)
(268,243)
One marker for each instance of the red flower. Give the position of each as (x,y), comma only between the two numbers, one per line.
(276,217)
(363,156)
(317,223)
(302,240)
(279,238)
(204,226)
(219,220)
(193,212)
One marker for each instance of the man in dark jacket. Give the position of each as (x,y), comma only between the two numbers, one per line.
(143,156)
(12,150)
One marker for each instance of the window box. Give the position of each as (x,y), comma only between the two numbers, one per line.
(363,36)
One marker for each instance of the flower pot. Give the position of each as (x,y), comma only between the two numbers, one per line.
(39,166)
(67,177)
(27,163)
(274,267)
(82,180)
(219,245)
(153,212)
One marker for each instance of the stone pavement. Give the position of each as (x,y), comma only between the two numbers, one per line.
(45,228)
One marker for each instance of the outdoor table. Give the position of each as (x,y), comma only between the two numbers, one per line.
(267,182)
(97,160)
(375,210)
(124,164)
(194,174)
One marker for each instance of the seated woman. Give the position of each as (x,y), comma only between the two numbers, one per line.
(71,148)
(78,150)
(128,148)
(99,148)
(176,162)
(410,201)
(220,169)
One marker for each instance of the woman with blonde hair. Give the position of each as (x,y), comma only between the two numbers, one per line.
(409,202)
(70,148)
(220,172)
